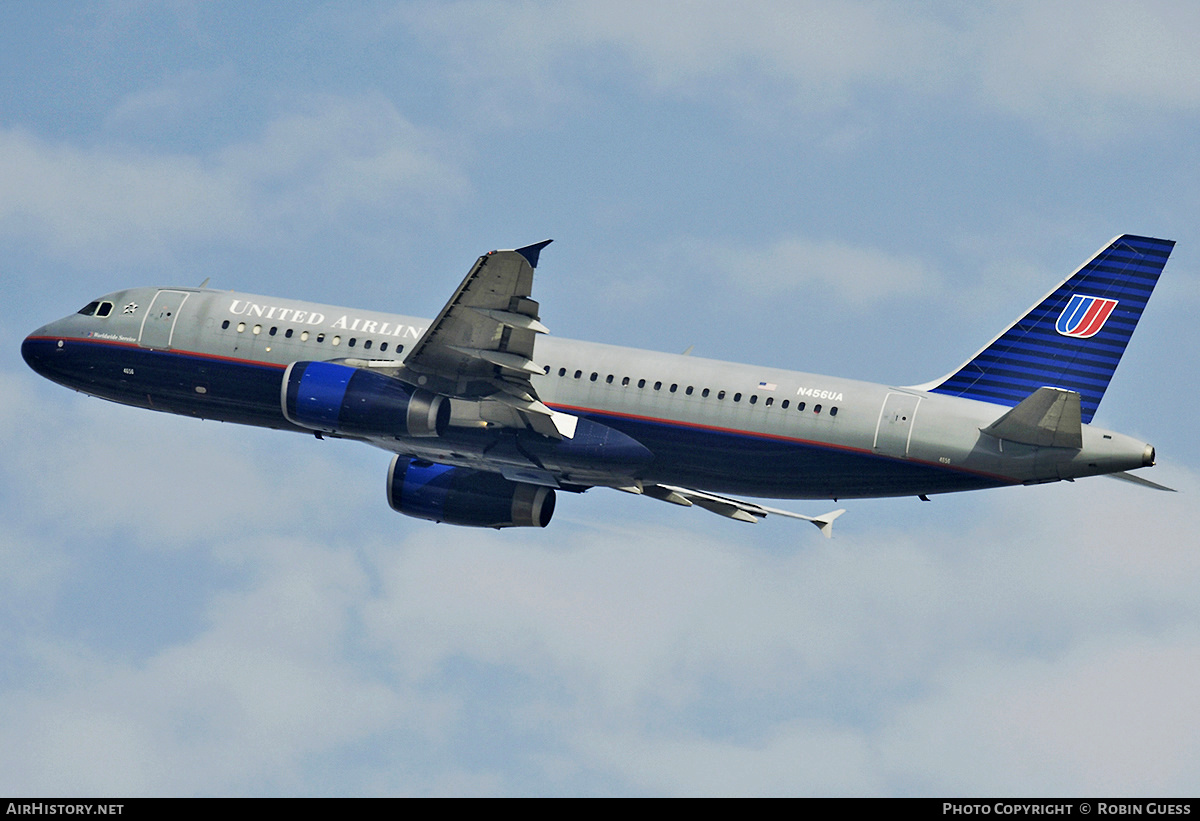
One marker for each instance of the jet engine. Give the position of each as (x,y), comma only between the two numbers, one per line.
(462,496)
(335,398)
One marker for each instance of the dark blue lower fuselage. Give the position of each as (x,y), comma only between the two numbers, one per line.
(719,460)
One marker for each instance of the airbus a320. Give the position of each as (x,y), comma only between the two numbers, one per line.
(488,417)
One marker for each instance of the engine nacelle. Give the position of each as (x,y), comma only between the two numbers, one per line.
(335,398)
(461,496)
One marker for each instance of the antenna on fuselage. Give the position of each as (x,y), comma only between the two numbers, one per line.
(204,284)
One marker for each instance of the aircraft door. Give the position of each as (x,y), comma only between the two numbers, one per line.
(895,424)
(158,325)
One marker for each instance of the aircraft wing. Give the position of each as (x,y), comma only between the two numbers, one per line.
(729,507)
(480,347)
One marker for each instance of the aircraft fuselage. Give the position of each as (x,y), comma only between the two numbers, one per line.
(720,426)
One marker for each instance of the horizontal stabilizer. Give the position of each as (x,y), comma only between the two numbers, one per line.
(730,508)
(1048,417)
(1138,480)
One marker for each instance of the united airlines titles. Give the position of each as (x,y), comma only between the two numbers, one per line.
(242,307)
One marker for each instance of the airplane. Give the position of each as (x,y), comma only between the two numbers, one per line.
(483,435)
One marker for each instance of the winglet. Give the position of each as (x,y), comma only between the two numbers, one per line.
(531,252)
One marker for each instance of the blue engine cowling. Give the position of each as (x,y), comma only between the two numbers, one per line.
(462,496)
(335,398)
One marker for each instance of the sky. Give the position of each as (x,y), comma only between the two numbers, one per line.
(864,189)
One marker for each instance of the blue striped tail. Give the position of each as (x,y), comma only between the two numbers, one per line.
(1074,337)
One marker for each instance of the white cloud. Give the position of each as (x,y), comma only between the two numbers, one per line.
(1074,67)
(814,53)
(265,686)
(397,656)
(329,162)
(1065,68)
(858,277)
(1115,716)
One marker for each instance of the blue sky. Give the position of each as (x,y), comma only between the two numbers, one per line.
(864,189)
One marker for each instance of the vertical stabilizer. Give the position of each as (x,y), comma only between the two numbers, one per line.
(1074,337)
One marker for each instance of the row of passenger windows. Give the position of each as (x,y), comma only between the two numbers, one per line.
(690,390)
(334,340)
(367,344)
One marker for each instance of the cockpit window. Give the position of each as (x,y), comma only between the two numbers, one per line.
(97,308)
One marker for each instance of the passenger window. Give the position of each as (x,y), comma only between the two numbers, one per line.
(799,406)
(367,345)
(737,397)
(816,408)
(689,390)
(833,411)
(609,379)
(704,393)
(674,388)
(562,371)
(241,327)
(383,348)
(641,383)
(337,340)
(225,325)
(273,330)
(304,336)
(320,338)
(784,404)
(770,401)
(658,386)
(288,333)
(625,382)
(594,376)
(720,394)
(351,341)
(754,399)
(578,374)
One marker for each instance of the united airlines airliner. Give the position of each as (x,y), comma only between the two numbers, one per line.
(485,429)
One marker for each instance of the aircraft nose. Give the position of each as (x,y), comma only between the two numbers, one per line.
(35,349)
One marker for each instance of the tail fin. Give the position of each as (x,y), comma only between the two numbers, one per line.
(1074,337)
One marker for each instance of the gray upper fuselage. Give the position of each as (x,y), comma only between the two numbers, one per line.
(715,425)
